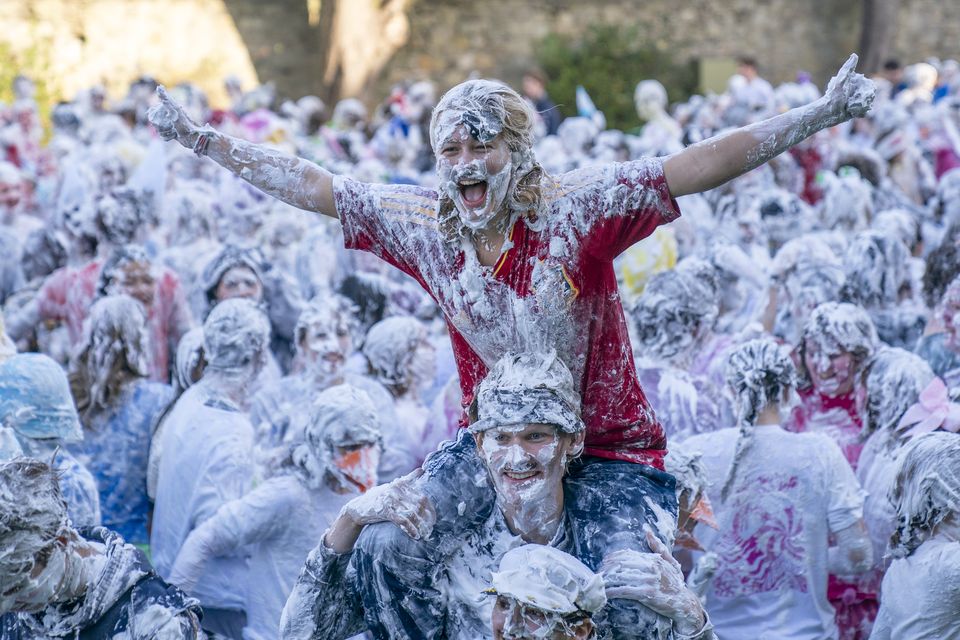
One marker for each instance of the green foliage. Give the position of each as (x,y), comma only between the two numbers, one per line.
(33,62)
(609,61)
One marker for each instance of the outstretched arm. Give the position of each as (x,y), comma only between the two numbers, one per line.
(714,161)
(296,181)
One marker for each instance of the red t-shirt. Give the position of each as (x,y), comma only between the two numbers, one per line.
(553,287)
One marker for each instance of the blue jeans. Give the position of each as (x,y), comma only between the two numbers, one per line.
(607,502)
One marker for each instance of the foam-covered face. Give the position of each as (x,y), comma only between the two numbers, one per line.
(476,175)
(832,370)
(239,282)
(136,280)
(512,620)
(10,195)
(526,462)
(358,464)
(326,345)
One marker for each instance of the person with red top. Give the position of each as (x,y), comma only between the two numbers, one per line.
(519,260)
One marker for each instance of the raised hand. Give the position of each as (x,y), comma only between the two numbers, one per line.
(849,93)
(171,121)
(399,502)
(654,580)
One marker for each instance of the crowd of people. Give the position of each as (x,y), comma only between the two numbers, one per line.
(554,407)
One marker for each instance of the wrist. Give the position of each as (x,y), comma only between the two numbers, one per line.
(692,623)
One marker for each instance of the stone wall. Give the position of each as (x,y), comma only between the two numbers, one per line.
(360,47)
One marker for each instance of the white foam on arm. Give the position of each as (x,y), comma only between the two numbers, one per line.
(719,159)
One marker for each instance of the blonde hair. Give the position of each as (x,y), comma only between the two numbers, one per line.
(493,109)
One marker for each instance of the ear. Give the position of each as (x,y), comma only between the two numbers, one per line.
(576,447)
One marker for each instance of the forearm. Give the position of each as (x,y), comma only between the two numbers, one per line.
(298,182)
(324,603)
(717,160)
(342,535)
(853,553)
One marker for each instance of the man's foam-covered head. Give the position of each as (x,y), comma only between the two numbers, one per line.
(528,388)
(543,592)
(876,268)
(33,515)
(236,336)
(324,333)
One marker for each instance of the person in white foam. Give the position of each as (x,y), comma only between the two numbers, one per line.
(778,498)
(207,460)
(544,593)
(336,460)
(920,594)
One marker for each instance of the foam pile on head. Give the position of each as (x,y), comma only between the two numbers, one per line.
(529,388)
(894,383)
(35,399)
(840,326)
(927,489)
(389,348)
(677,309)
(342,417)
(560,588)
(236,336)
(759,372)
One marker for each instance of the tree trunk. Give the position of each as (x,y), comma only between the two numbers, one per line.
(877,29)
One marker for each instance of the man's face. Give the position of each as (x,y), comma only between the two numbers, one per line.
(832,370)
(476,175)
(532,87)
(526,462)
(239,282)
(514,621)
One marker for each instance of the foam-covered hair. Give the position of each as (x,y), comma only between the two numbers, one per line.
(120,258)
(876,268)
(328,308)
(894,382)
(487,108)
(114,349)
(674,310)
(231,256)
(758,373)
(843,326)
(927,489)
(35,399)
(33,515)
(389,348)
(235,335)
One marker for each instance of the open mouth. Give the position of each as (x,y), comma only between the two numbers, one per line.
(473,192)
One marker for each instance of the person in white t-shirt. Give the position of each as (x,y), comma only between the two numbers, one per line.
(778,498)
(920,595)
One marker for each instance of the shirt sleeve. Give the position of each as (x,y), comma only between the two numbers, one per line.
(617,205)
(390,221)
(845,497)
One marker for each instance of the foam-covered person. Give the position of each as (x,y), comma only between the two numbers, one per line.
(942,349)
(279,519)
(876,267)
(921,589)
(401,358)
(838,340)
(118,408)
(527,434)
(554,278)
(58,582)
(673,319)
(660,133)
(207,459)
(542,592)
(130,271)
(35,403)
(779,498)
